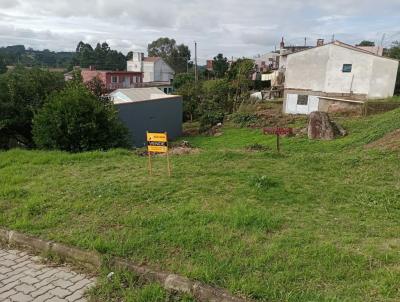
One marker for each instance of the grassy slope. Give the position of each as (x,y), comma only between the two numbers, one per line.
(322,224)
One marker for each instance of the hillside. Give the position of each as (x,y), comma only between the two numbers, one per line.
(18,54)
(319,222)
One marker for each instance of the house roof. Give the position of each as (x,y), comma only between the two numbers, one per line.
(132,95)
(151,59)
(348,46)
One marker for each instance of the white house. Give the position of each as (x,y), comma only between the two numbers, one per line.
(154,68)
(336,76)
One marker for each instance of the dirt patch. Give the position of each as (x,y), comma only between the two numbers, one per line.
(390,141)
(183,151)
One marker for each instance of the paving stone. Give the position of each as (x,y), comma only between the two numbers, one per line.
(62,283)
(4,295)
(20,297)
(23,279)
(60,292)
(45,297)
(7,263)
(24,288)
(42,290)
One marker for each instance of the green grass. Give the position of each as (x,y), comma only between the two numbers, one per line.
(319,222)
(127,287)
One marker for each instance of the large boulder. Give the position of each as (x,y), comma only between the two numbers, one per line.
(321,127)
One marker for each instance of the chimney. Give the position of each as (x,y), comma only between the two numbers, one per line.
(282,44)
(320,42)
(92,67)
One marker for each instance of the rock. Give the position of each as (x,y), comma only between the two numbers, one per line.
(339,129)
(301,132)
(321,127)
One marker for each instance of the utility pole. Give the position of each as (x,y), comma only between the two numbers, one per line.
(195,62)
(305,41)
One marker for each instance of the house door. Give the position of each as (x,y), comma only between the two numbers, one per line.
(291,101)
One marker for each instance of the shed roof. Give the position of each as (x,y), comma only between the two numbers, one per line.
(131,95)
(341,44)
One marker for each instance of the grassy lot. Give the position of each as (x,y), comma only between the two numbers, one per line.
(318,223)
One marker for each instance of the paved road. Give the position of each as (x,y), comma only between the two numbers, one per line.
(24,278)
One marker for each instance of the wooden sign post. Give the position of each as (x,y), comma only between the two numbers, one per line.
(278,132)
(158,143)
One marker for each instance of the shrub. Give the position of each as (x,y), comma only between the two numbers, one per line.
(244,119)
(22,92)
(75,120)
(209,119)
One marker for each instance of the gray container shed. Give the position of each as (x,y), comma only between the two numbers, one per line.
(148,109)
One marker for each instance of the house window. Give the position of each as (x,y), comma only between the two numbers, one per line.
(114,79)
(302,100)
(347,67)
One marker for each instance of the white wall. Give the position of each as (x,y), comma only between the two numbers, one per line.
(162,72)
(292,107)
(136,63)
(356,81)
(307,69)
(148,72)
(382,86)
(157,71)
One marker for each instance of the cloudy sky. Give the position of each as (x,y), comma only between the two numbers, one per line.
(233,27)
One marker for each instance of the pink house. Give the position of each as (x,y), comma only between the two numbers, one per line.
(114,79)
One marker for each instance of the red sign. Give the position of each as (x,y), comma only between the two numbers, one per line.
(278,131)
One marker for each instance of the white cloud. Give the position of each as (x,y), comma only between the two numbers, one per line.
(233,27)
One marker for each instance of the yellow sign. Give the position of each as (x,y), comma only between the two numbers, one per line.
(157,149)
(157,143)
(157,137)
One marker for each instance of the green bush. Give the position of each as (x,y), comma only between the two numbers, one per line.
(75,120)
(209,119)
(23,92)
(244,119)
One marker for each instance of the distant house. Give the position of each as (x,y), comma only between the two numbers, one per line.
(113,79)
(267,62)
(154,69)
(377,50)
(336,77)
(148,109)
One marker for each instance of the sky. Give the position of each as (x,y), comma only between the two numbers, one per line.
(232,27)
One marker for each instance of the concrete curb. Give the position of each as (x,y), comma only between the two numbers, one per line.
(93,260)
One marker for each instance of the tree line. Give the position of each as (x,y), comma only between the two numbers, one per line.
(102,57)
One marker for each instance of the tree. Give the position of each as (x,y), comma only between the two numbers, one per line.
(97,87)
(177,56)
(102,57)
(23,92)
(366,43)
(181,79)
(240,76)
(220,65)
(219,92)
(191,95)
(129,56)
(3,66)
(75,120)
